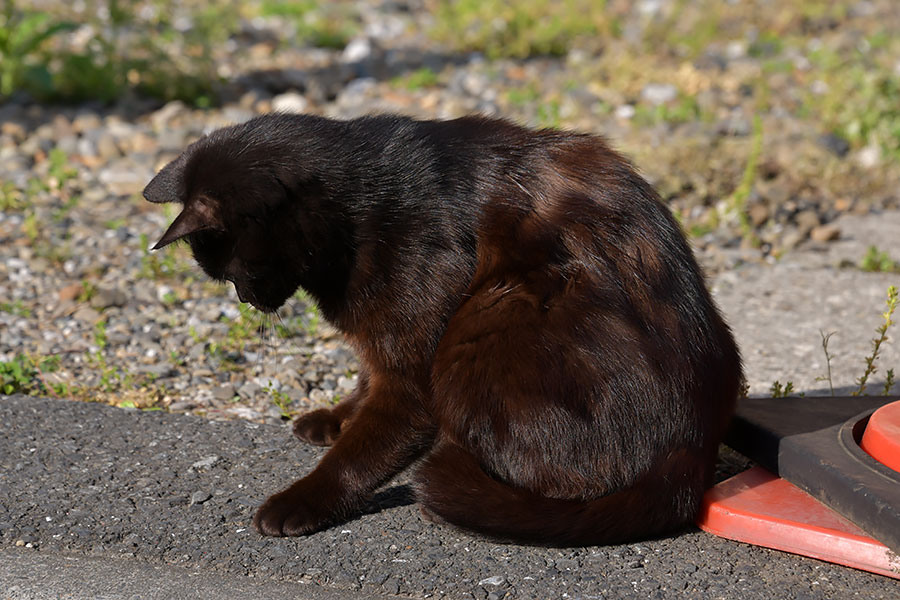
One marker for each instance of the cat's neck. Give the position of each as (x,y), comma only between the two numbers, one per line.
(380,190)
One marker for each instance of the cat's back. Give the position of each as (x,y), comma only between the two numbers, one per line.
(568,226)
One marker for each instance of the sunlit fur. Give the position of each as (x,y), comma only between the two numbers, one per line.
(532,328)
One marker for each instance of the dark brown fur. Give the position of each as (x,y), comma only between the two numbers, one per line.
(530,322)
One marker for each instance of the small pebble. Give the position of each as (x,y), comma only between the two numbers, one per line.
(825,233)
(199,497)
(205,463)
(290,102)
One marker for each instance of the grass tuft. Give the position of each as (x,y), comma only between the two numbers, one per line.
(878,261)
(892,301)
(521,29)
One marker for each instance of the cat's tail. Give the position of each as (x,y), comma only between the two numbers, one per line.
(451,485)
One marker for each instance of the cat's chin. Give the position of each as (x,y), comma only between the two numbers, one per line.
(264,308)
(260,306)
(255,303)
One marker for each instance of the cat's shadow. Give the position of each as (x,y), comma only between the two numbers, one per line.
(392,497)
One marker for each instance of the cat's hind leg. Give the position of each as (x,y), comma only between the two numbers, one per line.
(321,427)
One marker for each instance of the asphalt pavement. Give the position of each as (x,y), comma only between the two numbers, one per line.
(103,502)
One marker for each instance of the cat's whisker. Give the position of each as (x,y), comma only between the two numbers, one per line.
(273,338)
(261,337)
(293,303)
(261,347)
(291,334)
(284,325)
(267,337)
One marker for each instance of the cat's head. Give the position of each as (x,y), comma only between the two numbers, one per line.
(238,215)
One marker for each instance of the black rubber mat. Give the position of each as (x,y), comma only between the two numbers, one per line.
(814,443)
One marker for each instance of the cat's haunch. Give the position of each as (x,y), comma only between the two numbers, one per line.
(532,328)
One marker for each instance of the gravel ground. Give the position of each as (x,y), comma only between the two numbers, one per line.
(83,299)
(162,489)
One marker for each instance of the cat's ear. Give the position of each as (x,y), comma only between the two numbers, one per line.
(197,215)
(168,184)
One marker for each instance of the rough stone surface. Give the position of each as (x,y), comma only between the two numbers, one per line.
(81,479)
(779,312)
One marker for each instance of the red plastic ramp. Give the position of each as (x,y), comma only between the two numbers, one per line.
(759,508)
(814,443)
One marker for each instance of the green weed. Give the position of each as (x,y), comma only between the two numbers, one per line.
(548,115)
(30,227)
(12,199)
(244,327)
(688,34)
(870,368)
(192,76)
(176,359)
(25,375)
(878,261)
(88,291)
(16,308)
(160,265)
(736,204)
(224,358)
(170,298)
(520,29)
(23,35)
(112,378)
(893,298)
(523,96)
(872,113)
(319,24)
(826,337)
(134,404)
(313,318)
(767,44)
(280,400)
(417,80)
(684,109)
(862,102)
(308,321)
(215,351)
(60,171)
(22,201)
(700,229)
(126,51)
(779,391)
(100,338)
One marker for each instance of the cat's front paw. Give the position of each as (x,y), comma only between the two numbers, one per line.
(288,514)
(320,427)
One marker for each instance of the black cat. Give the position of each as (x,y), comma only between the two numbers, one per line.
(530,322)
